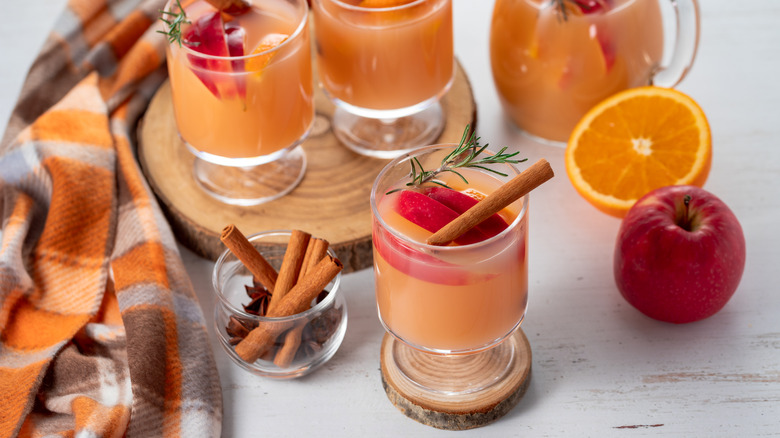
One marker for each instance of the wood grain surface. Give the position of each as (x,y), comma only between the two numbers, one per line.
(465,408)
(331,202)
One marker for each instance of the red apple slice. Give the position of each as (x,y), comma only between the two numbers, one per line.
(417,264)
(460,202)
(207,36)
(592,6)
(605,42)
(236,41)
(607,46)
(432,215)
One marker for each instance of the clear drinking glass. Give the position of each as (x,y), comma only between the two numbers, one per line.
(385,68)
(451,307)
(243,97)
(554,60)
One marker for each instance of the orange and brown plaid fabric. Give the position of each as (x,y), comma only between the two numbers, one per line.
(101,334)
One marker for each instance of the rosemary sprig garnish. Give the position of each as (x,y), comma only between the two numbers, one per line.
(174,22)
(467,154)
(560,4)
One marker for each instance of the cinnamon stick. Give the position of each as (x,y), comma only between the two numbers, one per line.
(508,193)
(292,340)
(254,261)
(316,250)
(297,300)
(291,266)
(306,259)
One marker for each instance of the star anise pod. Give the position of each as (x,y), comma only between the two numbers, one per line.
(260,298)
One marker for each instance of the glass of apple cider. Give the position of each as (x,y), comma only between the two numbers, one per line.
(552,60)
(454,304)
(242,90)
(385,64)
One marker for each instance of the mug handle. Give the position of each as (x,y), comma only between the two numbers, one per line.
(685,46)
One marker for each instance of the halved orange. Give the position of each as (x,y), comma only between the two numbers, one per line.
(635,141)
(256,64)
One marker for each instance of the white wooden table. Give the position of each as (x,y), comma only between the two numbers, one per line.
(600,368)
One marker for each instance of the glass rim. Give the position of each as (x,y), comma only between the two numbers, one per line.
(296,33)
(436,248)
(321,306)
(384,9)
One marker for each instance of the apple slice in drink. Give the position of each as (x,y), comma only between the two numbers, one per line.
(208,36)
(460,202)
(605,41)
(592,6)
(432,215)
(417,264)
(236,41)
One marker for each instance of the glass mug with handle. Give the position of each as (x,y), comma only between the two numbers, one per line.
(553,60)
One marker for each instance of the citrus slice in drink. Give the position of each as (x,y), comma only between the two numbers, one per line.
(256,64)
(636,141)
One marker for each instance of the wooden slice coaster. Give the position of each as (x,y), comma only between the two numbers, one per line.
(332,201)
(466,408)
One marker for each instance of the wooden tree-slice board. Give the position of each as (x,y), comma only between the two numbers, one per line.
(331,202)
(453,411)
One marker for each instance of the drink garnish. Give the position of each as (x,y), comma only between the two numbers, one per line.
(257,63)
(461,202)
(508,193)
(467,154)
(173,22)
(580,7)
(587,7)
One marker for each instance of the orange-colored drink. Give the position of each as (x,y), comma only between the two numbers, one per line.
(256,99)
(549,70)
(465,297)
(384,54)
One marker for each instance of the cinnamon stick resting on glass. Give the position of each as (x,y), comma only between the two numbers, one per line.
(508,193)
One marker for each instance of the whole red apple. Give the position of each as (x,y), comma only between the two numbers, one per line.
(679,255)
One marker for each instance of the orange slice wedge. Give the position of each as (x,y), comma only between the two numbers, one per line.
(474,193)
(256,64)
(636,141)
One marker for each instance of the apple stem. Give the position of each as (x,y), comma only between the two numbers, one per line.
(686,220)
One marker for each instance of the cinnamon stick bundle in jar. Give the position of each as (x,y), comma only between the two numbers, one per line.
(261,338)
(305,271)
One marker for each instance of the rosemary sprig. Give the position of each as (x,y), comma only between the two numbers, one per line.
(467,154)
(174,22)
(560,4)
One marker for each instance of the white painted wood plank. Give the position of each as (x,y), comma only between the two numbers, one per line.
(600,367)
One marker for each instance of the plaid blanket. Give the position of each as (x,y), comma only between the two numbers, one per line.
(101,334)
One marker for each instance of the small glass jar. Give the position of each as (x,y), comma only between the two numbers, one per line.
(318,332)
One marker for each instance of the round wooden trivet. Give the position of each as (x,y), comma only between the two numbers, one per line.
(332,201)
(454,411)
